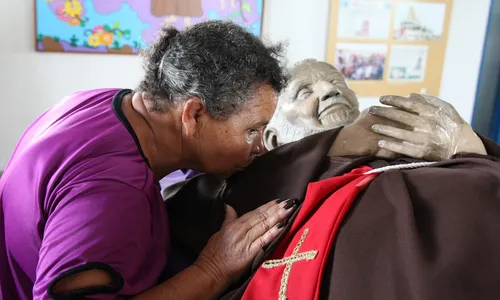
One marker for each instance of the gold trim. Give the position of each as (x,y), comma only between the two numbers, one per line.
(289,261)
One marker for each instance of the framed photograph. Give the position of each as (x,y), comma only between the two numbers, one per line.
(364,19)
(361,61)
(408,63)
(415,21)
(125,26)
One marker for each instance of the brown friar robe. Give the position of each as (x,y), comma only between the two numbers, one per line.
(428,233)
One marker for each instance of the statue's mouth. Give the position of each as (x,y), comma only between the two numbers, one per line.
(333,107)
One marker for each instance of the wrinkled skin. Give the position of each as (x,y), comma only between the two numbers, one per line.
(419,126)
(318,99)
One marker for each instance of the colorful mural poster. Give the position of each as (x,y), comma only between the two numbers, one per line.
(125,26)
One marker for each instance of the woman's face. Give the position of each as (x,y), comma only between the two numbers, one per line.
(230,145)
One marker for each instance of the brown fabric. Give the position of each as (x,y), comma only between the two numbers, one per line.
(428,233)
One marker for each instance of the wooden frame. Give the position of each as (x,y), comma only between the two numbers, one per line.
(374,88)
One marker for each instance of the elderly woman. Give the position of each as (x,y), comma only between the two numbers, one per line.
(81,210)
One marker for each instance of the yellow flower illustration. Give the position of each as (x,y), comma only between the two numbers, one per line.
(74,22)
(73,8)
(94,40)
(106,38)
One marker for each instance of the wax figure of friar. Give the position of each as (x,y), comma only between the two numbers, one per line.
(372,224)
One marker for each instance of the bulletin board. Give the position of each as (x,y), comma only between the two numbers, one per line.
(389,47)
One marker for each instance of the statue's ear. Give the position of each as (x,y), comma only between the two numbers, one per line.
(270,138)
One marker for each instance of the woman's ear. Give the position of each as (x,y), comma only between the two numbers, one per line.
(270,138)
(192,110)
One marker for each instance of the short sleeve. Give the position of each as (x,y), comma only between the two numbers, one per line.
(97,225)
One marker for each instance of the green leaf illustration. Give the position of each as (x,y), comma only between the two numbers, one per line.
(107,28)
(127,32)
(119,34)
(234,15)
(246,7)
(116,25)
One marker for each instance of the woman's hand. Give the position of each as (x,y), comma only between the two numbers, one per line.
(230,251)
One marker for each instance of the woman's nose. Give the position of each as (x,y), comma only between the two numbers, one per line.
(258,146)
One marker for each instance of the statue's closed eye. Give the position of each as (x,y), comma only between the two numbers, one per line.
(303,94)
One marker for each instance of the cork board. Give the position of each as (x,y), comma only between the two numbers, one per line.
(389,47)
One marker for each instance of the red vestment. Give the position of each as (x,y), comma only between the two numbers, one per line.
(295,268)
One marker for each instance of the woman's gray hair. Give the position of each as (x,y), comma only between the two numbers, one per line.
(219,62)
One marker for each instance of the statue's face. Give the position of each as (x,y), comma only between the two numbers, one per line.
(318,97)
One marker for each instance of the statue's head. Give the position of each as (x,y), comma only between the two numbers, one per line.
(316,99)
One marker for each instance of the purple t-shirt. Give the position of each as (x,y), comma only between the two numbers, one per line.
(177,176)
(78,194)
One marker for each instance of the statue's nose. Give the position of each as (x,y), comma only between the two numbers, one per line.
(330,94)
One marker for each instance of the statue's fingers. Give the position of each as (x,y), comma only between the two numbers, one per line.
(416,103)
(400,134)
(403,148)
(443,106)
(383,153)
(400,116)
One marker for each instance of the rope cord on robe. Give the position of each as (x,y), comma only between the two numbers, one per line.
(400,167)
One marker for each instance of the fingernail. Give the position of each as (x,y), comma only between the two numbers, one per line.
(282,224)
(291,203)
(281,200)
(375,127)
(381,143)
(385,99)
(372,110)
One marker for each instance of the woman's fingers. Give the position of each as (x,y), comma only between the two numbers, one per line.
(265,239)
(264,212)
(400,134)
(272,217)
(230,216)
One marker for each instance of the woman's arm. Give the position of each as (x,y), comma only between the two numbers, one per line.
(193,283)
(227,254)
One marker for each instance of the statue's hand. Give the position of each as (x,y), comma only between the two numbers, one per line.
(435,129)
(358,139)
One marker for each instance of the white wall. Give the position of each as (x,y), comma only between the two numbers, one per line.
(31,82)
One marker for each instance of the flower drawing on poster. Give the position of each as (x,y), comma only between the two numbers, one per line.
(419,21)
(361,61)
(71,12)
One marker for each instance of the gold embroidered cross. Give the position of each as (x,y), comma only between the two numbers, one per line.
(288,262)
